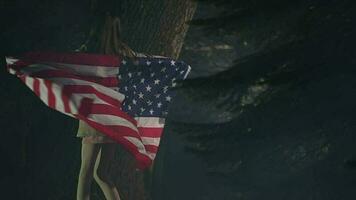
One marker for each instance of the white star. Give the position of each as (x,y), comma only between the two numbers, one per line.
(120,77)
(130,74)
(125,88)
(181,72)
(165,89)
(142,80)
(148,88)
(152,74)
(168,98)
(139,73)
(176,68)
(140,95)
(173,63)
(124,62)
(148,62)
(129,107)
(157,81)
(151,111)
(134,86)
(142,109)
(160,61)
(149,103)
(134,101)
(157,95)
(159,104)
(163,69)
(174,84)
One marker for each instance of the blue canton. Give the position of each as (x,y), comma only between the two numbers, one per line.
(148,84)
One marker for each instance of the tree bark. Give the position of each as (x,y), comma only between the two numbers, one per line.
(156,27)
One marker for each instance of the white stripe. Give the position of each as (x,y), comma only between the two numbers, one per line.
(112,120)
(151,155)
(150,141)
(43,91)
(87,70)
(57,91)
(102,89)
(11,61)
(12,71)
(150,122)
(29,82)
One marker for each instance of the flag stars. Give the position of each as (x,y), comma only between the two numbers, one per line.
(124,62)
(157,95)
(140,95)
(173,63)
(181,72)
(148,63)
(168,98)
(142,109)
(126,88)
(142,80)
(152,74)
(129,107)
(163,69)
(129,74)
(139,73)
(134,86)
(160,61)
(148,88)
(134,101)
(157,81)
(159,104)
(149,103)
(151,111)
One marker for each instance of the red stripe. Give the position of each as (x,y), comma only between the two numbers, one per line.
(23,78)
(36,87)
(51,97)
(107,81)
(151,148)
(65,99)
(83,89)
(74,58)
(150,132)
(18,65)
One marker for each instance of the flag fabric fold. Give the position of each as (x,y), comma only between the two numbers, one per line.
(125,99)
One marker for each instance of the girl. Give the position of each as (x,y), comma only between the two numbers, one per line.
(96,153)
(97,149)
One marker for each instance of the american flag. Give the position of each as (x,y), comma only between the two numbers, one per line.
(125,99)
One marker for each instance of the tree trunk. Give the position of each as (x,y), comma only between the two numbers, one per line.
(156,27)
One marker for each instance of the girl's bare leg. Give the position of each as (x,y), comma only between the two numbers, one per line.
(89,153)
(101,175)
